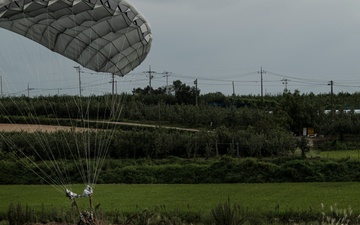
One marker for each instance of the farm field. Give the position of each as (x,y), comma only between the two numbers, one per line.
(352,154)
(265,197)
(336,154)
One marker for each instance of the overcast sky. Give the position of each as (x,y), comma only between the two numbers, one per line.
(302,43)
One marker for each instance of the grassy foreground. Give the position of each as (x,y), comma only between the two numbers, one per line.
(284,197)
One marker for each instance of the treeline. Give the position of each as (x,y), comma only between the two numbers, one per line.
(327,114)
(239,126)
(194,171)
(150,143)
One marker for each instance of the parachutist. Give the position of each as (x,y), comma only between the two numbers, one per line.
(88,191)
(71,195)
(86,217)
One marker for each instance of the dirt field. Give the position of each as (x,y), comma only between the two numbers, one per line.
(49,128)
(34,128)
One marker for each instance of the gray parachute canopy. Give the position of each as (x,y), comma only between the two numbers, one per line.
(101,35)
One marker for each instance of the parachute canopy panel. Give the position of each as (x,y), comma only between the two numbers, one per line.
(101,35)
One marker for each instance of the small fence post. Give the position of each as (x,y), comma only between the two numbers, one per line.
(237,150)
(216,148)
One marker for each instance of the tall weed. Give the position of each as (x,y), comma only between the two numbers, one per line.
(337,216)
(227,214)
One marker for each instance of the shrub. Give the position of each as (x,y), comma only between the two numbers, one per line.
(227,214)
(298,171)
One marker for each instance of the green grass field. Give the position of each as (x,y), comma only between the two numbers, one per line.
(339,154)
(194,198)
(352,154)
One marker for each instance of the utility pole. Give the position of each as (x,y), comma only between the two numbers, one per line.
(167,74)
(285,82)
(262,86)
(331,83)
(233,86)
(159,105)
(29,89)
(112,113)
(150,72)
(78,68)
(1,86)
(196,92)
(112,84)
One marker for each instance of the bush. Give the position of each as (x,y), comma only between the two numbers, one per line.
(227,214)
(299,171)
(334,171)
(192,171)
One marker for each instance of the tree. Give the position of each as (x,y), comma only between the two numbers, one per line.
(303,144)
(149,90)
(301,113)
(216,99)
(184,94)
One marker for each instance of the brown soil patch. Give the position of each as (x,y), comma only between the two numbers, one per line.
(36,127)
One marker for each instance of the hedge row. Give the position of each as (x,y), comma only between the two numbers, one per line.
(145,143)
(222,170)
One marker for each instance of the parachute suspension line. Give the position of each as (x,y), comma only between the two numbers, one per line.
(96,146)
(83,143)
(61,152)
(86,135)
(84,116)
(95,142)
(55,162)
(100,144)
(75,157)
(43,175)
(104,147)
(106,139)
(30,119)
(100,137)
(51,162)
(25,160)
(79,157)
(58,160)
(87,143)
(90,145)
(105,144)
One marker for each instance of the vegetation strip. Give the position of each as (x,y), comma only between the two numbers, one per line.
(282,197)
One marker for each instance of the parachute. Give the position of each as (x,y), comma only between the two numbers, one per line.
(101,35)
(108,36)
